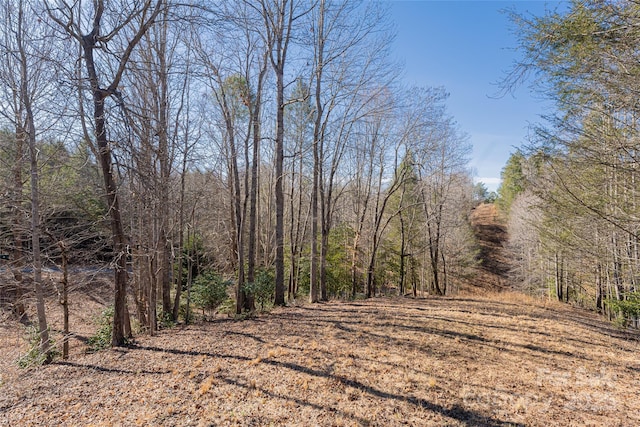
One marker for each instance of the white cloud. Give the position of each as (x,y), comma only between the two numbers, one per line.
(492,183)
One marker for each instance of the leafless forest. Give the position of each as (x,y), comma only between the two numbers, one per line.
(269,145)
(236,213)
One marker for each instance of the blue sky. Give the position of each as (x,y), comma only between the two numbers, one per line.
(467,47)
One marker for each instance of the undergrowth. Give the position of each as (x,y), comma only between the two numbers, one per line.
(102,338)
(35,357)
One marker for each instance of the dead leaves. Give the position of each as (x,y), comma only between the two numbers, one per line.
(381,362)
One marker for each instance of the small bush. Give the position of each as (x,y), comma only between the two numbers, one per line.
(228,307)
(34,356)
(166,321)
(102,338)
(209,290)
(628,308)
(263,288)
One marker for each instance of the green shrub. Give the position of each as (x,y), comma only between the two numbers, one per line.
(209,290)
(628,308)
(166,321)
(228,307)
(263,288)
(102,338)
(34,356)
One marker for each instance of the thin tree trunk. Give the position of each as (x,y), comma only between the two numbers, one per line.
(18,219)
(180,260)
(165,174)
(558,277)
(43,329)
(403,245)
(65,300)
(239,220)
(279,192)
(253,192)
(279,23)
(314,293)
(25,98)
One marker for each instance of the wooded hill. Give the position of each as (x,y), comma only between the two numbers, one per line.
(572,192)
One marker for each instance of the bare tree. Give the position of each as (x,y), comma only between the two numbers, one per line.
(278,17)
(84,23)
(349,40)
(28,47)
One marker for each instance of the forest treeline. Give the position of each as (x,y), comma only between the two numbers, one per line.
(269,143)
(573,194)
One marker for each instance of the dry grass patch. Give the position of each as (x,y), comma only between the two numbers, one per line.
(384,362)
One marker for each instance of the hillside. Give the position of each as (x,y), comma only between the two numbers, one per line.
(495,360)
(491,235)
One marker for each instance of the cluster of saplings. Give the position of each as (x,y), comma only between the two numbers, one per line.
(208,295)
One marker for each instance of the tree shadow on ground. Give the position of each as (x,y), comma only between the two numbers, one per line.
(455,412)
(103,369)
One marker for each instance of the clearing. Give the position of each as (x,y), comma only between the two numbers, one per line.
(491,234)
(494,360)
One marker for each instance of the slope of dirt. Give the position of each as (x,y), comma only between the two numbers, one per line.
(491,235)
(491,361)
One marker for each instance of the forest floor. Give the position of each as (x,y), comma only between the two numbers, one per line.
(491,360)
(483,359)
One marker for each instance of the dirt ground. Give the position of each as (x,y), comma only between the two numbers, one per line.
(495,360)
(490,231)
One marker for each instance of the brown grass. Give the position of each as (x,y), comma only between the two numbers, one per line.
(493,360)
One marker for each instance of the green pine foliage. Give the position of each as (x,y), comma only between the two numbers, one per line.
(513,181)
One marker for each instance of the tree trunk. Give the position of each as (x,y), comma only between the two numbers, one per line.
(25,101)
(403,248)
(65,300)
(371,273)
(117,230)
(599,289)
(314,293)
(18,221)
(279,293)
(324,251)
(164,254)
(43,330)
(558,277)
(255,112)
(239,221)
(278,21)
(180,260)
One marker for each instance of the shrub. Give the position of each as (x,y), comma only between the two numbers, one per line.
(166,321)
(102,338)
(263,288)
(627,308)
(228,307)
(34,356)
(209,290)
